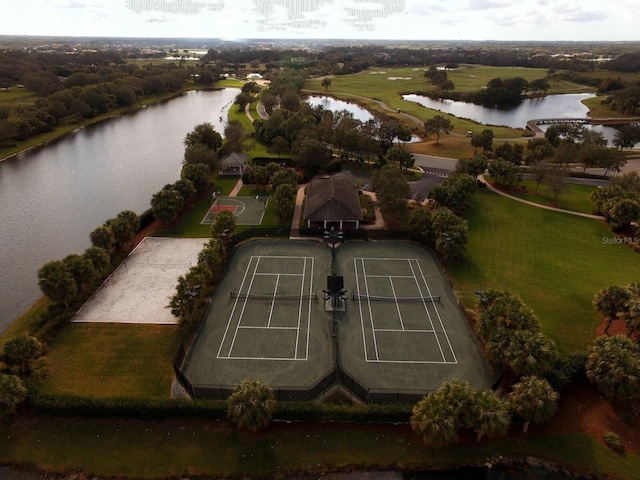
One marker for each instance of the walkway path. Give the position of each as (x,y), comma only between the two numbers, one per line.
(533,204)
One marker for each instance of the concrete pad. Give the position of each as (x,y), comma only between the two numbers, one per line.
(140,289)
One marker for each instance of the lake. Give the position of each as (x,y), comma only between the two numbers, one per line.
(53,197)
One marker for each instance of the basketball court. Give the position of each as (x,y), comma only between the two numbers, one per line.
(247,210)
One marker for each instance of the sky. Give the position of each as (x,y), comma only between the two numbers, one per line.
(519,20)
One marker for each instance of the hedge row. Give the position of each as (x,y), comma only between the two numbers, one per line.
(158,408)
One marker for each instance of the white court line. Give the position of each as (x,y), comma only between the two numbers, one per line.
(410,330)
(244,306)
(273,300)
(239,325)
(455,359)
(444,359)
(364,337)
(389,276)
(373,328)
(396,301)
(235,304)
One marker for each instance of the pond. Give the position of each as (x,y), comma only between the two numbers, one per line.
(53,197)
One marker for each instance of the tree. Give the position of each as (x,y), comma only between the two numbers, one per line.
(622,212)
(312,155)
(446,86)
(259,175)
(534,400)
(102,237)
(199,153)
(284,200)
(421,223)
(185,303)
(57,283)
(20,352)
(80,268)
(530,353)
(437,125)
(435,421)
(454,191)
(326,83)
(613,365)
(392,192)
(198,174)
(627,136)
(166,205)
(474,166)
(401,156)
(489,415)
(234,133)
(185,188)
(484,140)
(12,393)
(99,259)
(251,405)
(510,153)
(223,229)
(611,301)
(504,173)
(205,134)
(556,179)
(284,176)
(451,234)
(279,146)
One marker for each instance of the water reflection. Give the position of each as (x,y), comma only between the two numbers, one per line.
(54,197)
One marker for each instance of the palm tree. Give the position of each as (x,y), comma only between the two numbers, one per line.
(435,421)
(56,283)
(530,353)
(610,302)
(20,352)
(457,395)
(12,393)
(534,400)
(251,405)
(489,415)
(613,365)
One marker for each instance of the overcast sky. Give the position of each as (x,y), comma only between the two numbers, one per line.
(580,20)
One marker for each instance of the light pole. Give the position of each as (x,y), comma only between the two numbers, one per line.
(334,297)
(332,236)
(263,200)
(223,235)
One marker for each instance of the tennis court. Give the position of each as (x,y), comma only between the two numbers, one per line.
(247,210)
(266,320)
(401,331)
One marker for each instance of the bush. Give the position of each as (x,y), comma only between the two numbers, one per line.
(569,369)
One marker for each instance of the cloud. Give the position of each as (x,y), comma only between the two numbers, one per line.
(574,13)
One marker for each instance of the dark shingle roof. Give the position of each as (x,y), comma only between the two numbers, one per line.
(332,199)
(234,159)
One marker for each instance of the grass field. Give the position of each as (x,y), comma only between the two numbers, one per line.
(576,198)
(111,360)
(556,262)
(175,448)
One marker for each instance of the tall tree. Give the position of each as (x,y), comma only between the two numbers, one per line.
(613,365)
(451,234)
(80,268)
(235,134)
(534,400)
(102,237)
(205,134)
(57,283)
(326,83)
(12,393)
(401,156)
(251,405)
(435,421)
(489,415)
(20,352)
(166,205)
(437,125)
(611,301)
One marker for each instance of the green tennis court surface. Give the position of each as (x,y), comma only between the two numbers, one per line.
(402,331)
(247,210)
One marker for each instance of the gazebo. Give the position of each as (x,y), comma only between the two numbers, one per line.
(233,164)
(332,201)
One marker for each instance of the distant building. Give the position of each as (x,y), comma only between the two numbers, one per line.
(254,76)
(332,201)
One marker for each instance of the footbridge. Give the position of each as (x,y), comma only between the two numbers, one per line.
(533,124)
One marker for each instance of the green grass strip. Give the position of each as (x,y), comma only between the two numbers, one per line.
(555,261)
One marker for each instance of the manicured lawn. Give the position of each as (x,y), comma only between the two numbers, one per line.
(112,360)
(174,448)
(576,198)
(556,262)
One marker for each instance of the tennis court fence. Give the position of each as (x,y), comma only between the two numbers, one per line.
(289,394)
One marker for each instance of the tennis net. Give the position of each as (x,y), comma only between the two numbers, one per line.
(309,296)
(377,298)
